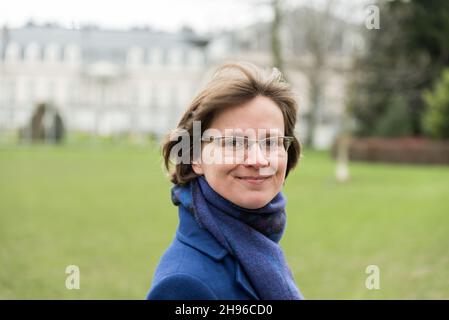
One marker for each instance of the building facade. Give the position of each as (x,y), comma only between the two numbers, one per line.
(100,81)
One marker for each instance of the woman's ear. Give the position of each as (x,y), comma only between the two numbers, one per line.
(197,167)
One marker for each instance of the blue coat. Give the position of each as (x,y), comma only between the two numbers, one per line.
(197,267)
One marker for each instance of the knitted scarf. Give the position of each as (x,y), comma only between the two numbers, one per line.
(249,235)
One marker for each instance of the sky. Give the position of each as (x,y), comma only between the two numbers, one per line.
(169,15)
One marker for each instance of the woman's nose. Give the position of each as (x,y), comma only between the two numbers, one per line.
(255,157)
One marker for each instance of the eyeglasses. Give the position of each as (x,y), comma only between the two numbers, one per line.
(239,143)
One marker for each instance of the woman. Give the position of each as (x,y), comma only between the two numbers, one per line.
(228,177)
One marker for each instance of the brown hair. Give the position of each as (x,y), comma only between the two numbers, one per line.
(232,85)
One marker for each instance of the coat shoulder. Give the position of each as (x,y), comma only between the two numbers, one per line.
(180,286)
(184,259)
(185,273)
(197,266)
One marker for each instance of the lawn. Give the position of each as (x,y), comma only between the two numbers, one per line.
(106,209)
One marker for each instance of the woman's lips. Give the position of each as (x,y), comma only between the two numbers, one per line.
(254,180)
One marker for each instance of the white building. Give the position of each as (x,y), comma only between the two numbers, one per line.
(100,81)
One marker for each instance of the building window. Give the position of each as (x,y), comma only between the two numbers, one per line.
(31,91)
(155,56)
(72,54)
(134,56)
(32,52)
(165,59)
(176,56)
(12,53)
(52,53)
(197,57)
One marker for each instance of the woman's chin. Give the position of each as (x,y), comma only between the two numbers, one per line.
(253,201)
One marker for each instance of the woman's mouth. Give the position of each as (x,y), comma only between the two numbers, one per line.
(254,180)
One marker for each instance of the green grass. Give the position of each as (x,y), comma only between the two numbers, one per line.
(107,209)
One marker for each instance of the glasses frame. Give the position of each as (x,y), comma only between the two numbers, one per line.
(286,142)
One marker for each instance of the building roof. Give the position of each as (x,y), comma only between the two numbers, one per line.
(100,44)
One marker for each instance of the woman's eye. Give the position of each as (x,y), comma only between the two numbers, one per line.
(271,142)
(230,142)
(233,142)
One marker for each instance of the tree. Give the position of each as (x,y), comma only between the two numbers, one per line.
(436,118)
(402,59)
(317,35)
(315,26)
(395,121)
(276,46)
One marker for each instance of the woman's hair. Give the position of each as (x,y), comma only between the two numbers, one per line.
(233,84)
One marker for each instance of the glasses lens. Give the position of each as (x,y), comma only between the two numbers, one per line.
(233,143)
(270,144)
(287,141)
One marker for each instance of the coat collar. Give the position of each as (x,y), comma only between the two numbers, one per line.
(242,280)
(190,233)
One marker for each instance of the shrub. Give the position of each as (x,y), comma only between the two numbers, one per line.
(436,118)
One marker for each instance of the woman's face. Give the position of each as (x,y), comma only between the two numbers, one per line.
(254,179)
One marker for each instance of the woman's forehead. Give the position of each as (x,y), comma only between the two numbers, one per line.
(261,113)
(249,129)
(250,133)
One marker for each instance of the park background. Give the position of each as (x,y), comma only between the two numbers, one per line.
(87,93)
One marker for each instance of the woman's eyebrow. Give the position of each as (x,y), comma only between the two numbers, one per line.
(270,134)
(263,135)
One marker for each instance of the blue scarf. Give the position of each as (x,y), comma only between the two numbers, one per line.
(249,235)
